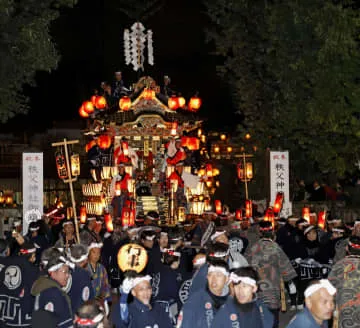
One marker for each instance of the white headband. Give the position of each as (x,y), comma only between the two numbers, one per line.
(17,223)
(67,222)
(171,252)
(95,245)
(150,237)
(91,218)
(222,270)
(163,233)
(308,229)
(217,234)
(138,280)
(246,280)
(200,261)
(356,223)
(324,283)
(34,229)
(220,254)
(338,230)
(151,218)
(80,259)
(59,265)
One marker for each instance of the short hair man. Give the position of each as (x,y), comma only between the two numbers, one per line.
(319,301)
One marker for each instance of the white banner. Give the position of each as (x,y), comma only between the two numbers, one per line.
(279,180)
(33,185)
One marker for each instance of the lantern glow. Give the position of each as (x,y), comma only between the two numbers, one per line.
(306,213)
(248,208)
(279,200)
(218,206)
(125,103)
(321,219)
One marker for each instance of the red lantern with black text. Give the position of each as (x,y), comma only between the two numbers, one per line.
(218,206)
(248,208)
(125,103)
(279,200)
(82,214)
(194,104)
(108,222)
(173,103)
(306,213)
(238,214)
(100,102)
(61,166)
(321,219)
(104,141)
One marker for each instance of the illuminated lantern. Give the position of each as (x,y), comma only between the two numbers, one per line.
(321,219)
(209,170)
(100,102)
(90,144)
(104,141)
(192,143)
(75,164)
(203,138)
(247,136)
(218,206)
(61,166)
(93,99)
(82,214)
(306,213)
(181,102)
(174,126)
(2,197)
(223,137)
(108,222)
(208,183)
(88,107)
(125,148)
(216,149)
(199,133)
(173,103)
(247,173)
(82,112)
(217,183)
(248,208)
(194,104)
(132,217)
(279,200)
(125,103)
(269,214)
(132,257)
(238,215)
(229,149)
(148,94)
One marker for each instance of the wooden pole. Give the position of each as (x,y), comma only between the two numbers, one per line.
(70,180)
(245,176)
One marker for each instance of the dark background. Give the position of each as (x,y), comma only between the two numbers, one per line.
(89,39)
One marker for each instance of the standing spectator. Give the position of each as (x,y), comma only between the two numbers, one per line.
(317,193)
(67,237)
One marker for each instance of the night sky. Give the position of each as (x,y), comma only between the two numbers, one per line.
(90,41)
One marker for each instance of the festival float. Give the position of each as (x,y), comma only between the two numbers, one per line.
(147,134)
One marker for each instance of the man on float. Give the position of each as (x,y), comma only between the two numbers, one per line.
(125,154)
(174,152)
(176,177)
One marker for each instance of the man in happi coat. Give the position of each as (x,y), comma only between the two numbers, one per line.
(345,276)
(272,265)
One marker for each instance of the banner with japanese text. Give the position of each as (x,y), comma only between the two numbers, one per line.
(279,180)
(33,185)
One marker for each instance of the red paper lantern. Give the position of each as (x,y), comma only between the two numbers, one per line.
(238,214)
(82,214)
(82,112)
(100,102)
(148,94)
(218,206)
(181,102)
(306,213)
(192,143)
(88,107)
(173,103)
(248,208)
(125,103)
(269,214)
(279,200)
(321,219)
(108,222)
(194,104)
(104,141)
(61,166)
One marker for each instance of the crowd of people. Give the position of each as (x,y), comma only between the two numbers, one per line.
(202,274)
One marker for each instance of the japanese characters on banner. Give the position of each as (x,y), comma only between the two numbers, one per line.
(279,179)
(33,185)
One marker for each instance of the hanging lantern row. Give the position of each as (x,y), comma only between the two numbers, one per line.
(88,107)
(176,102)
(92,189)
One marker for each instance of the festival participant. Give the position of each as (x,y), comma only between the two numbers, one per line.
(272,264)
(99,276)
(140,312)
(174,152)
(176,175)
(345,276)
(217,251)
(48,290)
(39,239)
(120,196)
(319,306)
(80,287)
(17,275)
(244,309)
(91,315)
(67,237)
(88,235)
(201,307)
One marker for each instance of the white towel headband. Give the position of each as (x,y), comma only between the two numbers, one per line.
(246,280)
(222,270)
(324,283)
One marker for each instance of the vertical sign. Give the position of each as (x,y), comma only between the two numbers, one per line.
(32,188)
(279,180)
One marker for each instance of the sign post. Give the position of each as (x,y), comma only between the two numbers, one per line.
(70,179)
